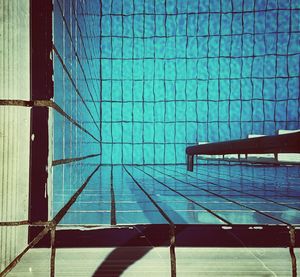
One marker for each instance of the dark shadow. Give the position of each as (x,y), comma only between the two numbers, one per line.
(124,256)
(145,238)
(136,243)
(120,259)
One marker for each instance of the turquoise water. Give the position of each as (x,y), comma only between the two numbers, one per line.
(179,72)
(213,194)
(147,78)
(141,80)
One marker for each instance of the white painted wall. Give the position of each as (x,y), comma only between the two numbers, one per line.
(14,126)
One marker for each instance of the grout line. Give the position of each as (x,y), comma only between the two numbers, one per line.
(53,252)
(78,59)
(48,104)
(242,192)
(73,84)
(49,226)
(171,224)
(58,217)
(187,198)
(193,13)
(15,261)
(113,220)
(226,198)
(70,160)
(292,233)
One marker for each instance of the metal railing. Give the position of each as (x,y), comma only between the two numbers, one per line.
(287,143)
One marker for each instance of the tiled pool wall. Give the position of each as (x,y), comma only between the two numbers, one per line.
(76,91)
(178,72)
(171,73)
(213,194)
(144,79)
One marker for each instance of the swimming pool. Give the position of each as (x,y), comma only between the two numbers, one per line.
(145,79)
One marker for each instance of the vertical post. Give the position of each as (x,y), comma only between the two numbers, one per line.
(41,86)
(190,162)
(292,233)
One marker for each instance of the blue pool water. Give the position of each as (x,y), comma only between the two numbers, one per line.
(214,194)
(144,79)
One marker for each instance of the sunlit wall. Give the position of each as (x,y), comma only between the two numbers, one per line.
(14,127)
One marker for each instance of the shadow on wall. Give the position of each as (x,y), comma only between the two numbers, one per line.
(120,259)
(124,256)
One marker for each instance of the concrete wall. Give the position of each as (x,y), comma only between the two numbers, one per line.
(14,126)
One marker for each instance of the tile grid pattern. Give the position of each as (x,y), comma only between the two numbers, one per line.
(76,138)
(178,72)
(213,195)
